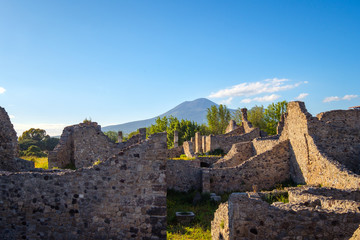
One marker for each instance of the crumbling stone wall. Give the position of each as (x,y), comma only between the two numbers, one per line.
(175,152)
(263,170)
(239,153)
(225,141)
(84,144)
(183,175)
(9,160)
(220,223)
(310,162)
(189,149)
(123,197)
(252,218)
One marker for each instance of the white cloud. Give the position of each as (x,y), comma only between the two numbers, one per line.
(11,116)
(255,88)
(336,98)
(2,90)
(301,96)
(349,97)
(268,98)
(51,129)
(227,101)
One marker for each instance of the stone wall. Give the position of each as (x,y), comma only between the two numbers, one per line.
(264,144)
(252,218)
(84,144)
(189,149)
(220,223)
(239,153)
(183,175)
(123,197)
(9,160)
(175,152)
(310,162)
(263,170)
(226,141)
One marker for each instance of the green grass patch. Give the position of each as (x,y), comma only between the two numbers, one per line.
(40,162)
(182,157)
(271,198)
(204,210)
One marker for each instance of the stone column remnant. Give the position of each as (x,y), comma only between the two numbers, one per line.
(142,132)
(176,139)
(120,136)
(198,143)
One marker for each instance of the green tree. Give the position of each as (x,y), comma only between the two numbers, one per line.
(186,129)
(218,119)
(237,116)
(34,151)
(272,116)
(36,134)
(112,135)
(256,117)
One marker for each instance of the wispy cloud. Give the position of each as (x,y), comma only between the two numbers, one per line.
(268,98)
(227,101)
(11,116)
(336,98)
(2,90)
(254,88)
(302,96)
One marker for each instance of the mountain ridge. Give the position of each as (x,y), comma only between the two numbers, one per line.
(189,110)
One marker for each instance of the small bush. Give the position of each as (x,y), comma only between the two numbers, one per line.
(222,224)
(34,151)
(271,198)
(217,152)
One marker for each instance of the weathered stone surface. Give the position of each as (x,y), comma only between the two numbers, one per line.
(122,197)
(183,175)
(231,126)
(189,149)
(9,160)
(251,218)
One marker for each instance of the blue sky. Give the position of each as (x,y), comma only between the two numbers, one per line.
(120,61)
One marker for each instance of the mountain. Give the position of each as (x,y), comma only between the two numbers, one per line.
(191,110)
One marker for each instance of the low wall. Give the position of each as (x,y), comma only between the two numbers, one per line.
(175,152)
(123,197)
(252,218)
(220,223)
(239,153)
(264,144)
(183,175)
(225,141)
(264,170)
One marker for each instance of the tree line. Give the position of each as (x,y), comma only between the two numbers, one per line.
(218,117)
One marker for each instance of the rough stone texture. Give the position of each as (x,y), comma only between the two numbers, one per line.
(189,149)
(239,153)
(9,146)
(207,161)
(220,223)
(263,170)
(314,159)
(225,141)
(205,178)
(123,197)
(175,152)
(198,143)
(183,175)
(120,136)
(328,198)
(252,218)
(176,139)
(231,126)
(356,235)
(82,145)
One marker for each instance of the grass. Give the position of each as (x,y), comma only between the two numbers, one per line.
(182,157)
(40,162)
(271,198)
(204,210)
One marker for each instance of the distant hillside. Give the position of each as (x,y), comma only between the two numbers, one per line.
(190,110)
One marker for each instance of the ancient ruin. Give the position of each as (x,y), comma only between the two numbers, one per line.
(118,190)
